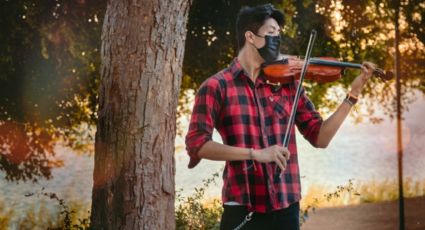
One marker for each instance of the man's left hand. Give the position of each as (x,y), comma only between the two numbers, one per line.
(359,82)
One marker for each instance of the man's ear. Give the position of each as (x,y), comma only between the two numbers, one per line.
(249,37)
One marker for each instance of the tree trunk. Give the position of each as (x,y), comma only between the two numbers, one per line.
(142,55)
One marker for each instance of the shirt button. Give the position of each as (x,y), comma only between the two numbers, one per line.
(271,98)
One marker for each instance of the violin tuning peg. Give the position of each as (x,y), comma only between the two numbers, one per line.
(389,75)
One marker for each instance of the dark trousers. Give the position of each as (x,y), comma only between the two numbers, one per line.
(284,219)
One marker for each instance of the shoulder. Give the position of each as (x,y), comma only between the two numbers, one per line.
(218,81)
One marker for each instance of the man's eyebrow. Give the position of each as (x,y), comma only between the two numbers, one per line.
(273,27)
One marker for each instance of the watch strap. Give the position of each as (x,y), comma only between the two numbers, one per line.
(351,99)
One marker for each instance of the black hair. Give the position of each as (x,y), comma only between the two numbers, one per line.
(252,18)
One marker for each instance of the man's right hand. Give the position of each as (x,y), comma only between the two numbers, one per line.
(274,153)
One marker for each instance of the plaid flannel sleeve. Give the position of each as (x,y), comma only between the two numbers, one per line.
(308,120)
(204,114)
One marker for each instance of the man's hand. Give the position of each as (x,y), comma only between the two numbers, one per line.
(274,153)
(359,82)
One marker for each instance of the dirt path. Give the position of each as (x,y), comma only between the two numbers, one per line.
(376,216)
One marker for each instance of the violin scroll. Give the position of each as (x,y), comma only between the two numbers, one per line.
(384,75)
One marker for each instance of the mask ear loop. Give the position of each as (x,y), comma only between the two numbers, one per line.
(253,39)
(259,35)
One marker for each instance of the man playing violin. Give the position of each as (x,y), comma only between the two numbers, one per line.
(261,177)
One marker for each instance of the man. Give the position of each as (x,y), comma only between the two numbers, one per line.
(261,176)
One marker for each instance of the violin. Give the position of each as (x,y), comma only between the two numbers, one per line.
(321,70)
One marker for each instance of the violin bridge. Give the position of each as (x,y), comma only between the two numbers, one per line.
(273,84)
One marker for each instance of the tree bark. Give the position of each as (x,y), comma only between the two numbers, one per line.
(142,55)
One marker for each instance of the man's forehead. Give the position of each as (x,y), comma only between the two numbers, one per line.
(276,27)
(271,24)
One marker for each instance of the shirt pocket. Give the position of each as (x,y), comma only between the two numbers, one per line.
(281,108)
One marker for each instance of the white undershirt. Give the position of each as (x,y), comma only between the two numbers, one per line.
(232,203)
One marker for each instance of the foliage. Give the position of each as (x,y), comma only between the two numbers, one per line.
(49,54)
(38,218)
(197,212)
(42,216)
(26,151)
(350,31)
(365,192)
(193,213)
(50,62)
(66,218)
(340,191)
(364,30)
(5,216)
(387,190)
(50,68)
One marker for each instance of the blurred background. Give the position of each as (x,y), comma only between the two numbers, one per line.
(49,72)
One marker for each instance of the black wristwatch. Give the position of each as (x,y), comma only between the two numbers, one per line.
(351,99)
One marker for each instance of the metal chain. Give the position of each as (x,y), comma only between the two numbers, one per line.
(247,218)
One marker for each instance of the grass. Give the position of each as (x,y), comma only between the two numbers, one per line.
(365,192)
(6,215)
(199,212)
(39,216)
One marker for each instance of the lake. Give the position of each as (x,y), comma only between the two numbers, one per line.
(364,152)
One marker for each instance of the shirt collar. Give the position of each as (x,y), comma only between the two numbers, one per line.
(236,69)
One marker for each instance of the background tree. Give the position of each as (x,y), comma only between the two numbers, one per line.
(352,31)
(364,30)
(49,64)
(142,57)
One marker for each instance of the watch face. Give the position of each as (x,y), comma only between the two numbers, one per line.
(351,98)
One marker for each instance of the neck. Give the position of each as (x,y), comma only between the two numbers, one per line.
(250,62)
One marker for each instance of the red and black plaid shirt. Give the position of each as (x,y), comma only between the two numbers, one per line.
(252,115)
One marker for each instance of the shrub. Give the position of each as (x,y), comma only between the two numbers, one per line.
(194,213)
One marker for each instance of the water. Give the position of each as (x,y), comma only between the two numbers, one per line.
(363,152)
(73,183)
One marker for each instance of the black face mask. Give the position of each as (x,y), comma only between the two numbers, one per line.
(270,51)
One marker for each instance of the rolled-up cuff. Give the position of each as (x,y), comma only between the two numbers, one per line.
(193,162)
(193,152)
(313,135)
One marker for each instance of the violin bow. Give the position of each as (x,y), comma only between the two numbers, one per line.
(313,35)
